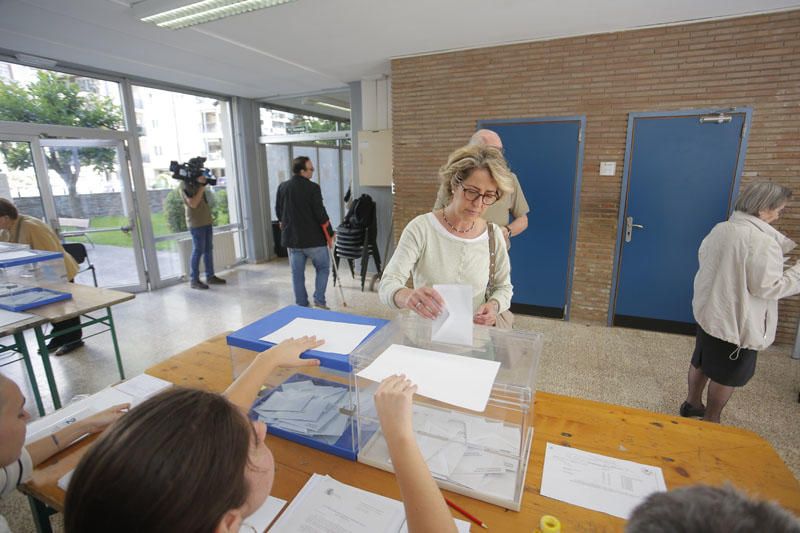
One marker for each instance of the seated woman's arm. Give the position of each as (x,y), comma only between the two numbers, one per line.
(42,449)
(426,510)
(243,391)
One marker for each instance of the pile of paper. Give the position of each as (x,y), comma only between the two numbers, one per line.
(325,505)
(308,409)
(470,451)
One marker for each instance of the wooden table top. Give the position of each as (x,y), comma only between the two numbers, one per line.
(85,299)
(688,451)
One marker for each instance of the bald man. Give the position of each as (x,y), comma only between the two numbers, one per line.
(513,203)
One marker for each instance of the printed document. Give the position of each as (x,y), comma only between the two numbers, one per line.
(263,516)
(454,379)
(10,317)
(454,325)
(325,505)
(340,337)
(606,484)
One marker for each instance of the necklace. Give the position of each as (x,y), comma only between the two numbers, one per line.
(452,227)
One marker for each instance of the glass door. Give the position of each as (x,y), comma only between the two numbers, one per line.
(92,196)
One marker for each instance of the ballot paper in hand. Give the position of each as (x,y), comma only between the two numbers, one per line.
(340,337)
(454,325)
(454,379)
(606,484)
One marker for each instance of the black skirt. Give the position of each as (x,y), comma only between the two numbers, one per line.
(720,362)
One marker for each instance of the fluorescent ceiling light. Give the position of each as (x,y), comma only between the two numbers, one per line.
(333,106)
(206,11)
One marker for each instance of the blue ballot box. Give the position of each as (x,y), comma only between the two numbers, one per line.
(310,405)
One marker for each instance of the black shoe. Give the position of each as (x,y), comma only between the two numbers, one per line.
(54,345)
(69,347)
(320,306)
(214,280)
(688,410)
(197,284)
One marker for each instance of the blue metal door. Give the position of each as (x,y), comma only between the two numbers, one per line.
(546,155)
(680,179)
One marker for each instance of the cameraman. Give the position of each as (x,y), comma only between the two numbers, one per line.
(199,221)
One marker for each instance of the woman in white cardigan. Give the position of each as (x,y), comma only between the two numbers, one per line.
(736,293)
(451,245)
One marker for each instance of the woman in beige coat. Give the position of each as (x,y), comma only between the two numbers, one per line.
(736,293)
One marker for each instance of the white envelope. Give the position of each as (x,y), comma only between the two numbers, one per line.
(454,325)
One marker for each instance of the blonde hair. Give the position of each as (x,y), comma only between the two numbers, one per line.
(465,160)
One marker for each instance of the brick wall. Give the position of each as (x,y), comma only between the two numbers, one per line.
(750,61)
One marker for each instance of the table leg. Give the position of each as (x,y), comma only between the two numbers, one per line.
(22,347)
(41,515)
(48,370)
(116,344)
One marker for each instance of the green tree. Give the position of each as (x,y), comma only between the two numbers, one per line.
(56,99)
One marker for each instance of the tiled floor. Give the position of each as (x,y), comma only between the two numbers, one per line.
(616,365)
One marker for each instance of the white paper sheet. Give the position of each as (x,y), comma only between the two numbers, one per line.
(325,505)
(263,516)
(606,484)
(454,379)
(340,337)
(125,392)
(10,317)
(454,325)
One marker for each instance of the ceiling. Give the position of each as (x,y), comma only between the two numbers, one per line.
(311,47)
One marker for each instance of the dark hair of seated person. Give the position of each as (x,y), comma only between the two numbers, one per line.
(175,463)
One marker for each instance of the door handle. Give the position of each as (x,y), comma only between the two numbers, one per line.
(629,225)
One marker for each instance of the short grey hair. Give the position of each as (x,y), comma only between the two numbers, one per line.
(710,510)
(486,138)
(762,196)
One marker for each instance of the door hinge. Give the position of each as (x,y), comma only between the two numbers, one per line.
(744,130)
(580,134)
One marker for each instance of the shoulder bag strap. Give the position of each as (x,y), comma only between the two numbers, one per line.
(490,284)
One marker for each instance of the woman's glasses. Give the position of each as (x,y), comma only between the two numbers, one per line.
(488,198)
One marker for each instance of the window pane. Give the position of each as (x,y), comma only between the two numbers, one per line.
(18,178)
(328,171)
(174,126)
(278,170)
(41,96)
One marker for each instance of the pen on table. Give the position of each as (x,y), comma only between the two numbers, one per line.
(465,513)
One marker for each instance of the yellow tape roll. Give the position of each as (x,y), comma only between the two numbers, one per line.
(549,524)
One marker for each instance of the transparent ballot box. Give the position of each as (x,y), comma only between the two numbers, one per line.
(310,405)
(483,455)
(20,267)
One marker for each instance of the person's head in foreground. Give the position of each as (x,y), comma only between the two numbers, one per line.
(764,200)
(705,509)
(13,418)
(475,177)
(183,460)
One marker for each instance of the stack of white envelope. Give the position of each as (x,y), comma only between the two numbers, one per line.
(467,450)
(307,409)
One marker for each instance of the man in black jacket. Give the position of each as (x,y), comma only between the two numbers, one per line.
(298,205)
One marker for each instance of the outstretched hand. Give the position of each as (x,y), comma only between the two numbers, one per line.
(393,401)
(287,353)
(425,301)
(100,421)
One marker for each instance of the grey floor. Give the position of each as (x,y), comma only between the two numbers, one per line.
(628,367)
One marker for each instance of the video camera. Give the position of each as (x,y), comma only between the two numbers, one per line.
(191,170)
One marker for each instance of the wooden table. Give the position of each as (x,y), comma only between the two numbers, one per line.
(84,300)
(688,451)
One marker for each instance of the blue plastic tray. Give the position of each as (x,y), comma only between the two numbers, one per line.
(7,300)
(249,337)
